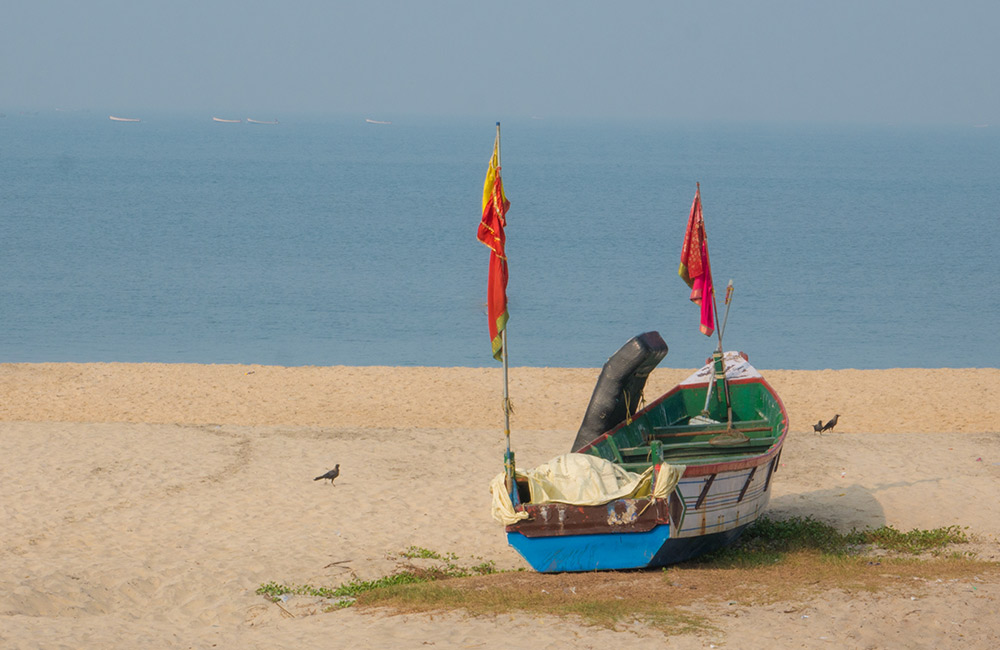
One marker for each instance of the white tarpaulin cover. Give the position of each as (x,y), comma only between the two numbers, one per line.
(737,367)
(583,480)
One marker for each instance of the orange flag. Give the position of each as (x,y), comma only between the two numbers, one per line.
(695,269)
(491,233)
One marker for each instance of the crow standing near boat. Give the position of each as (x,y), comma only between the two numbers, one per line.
(332,474)
(832,423)
(818,427)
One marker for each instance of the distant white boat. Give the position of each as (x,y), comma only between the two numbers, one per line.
(250,121)
(123,119)
(219,119)
(377,122)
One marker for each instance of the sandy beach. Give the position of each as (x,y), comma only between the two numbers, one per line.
(143,504)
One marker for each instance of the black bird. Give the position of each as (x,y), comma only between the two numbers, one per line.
(832,423)
(818,426)
(332,474)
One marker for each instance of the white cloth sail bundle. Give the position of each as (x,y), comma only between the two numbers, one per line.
(582,480)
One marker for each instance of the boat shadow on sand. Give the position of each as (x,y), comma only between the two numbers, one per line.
(844,507)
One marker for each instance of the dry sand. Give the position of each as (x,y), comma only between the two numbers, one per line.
(143,504)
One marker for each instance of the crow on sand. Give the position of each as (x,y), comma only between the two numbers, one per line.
(832,423)
(332,474)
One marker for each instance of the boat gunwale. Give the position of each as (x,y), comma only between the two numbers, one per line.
(713,468)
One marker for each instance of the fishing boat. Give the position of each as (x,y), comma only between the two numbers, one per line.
(640,487)
(115,118)
(219,119)
(649,487)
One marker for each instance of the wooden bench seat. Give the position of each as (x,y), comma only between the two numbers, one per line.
(694,448)
(680,430)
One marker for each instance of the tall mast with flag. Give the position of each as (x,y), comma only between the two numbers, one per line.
(696,271)
(695,268)
(491,233)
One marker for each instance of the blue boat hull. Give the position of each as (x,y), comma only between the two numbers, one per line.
(615,551)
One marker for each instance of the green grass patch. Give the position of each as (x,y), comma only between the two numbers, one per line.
(774,560)
(914,541)
(416,552)
(347,593)
(768,541)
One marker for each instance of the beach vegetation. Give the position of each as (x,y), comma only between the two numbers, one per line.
(769,541)
(346,594)
(914,541)
(415,552)
(776,560)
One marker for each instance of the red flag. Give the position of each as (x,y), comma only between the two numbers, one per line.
(695,269)
(491,233)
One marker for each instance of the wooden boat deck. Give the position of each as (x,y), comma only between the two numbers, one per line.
(687,444)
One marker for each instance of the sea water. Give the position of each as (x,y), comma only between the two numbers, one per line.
(327,241)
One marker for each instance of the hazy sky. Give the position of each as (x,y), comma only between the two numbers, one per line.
(874,61)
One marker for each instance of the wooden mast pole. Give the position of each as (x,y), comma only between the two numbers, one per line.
(509,455)
(718,381)
(719,360)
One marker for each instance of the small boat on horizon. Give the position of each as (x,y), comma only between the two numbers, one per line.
(219,119)
(252,121)
(114,118)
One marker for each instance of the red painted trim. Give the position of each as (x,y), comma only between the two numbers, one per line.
(733,465)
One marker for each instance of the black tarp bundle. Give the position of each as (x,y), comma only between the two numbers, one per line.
(620,385)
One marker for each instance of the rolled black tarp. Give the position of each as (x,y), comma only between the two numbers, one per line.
(620,385)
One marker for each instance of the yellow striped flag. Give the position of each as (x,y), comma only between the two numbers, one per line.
(491,233)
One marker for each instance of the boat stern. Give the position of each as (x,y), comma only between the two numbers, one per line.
(594,552)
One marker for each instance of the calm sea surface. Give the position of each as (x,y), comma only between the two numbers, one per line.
(333,241)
